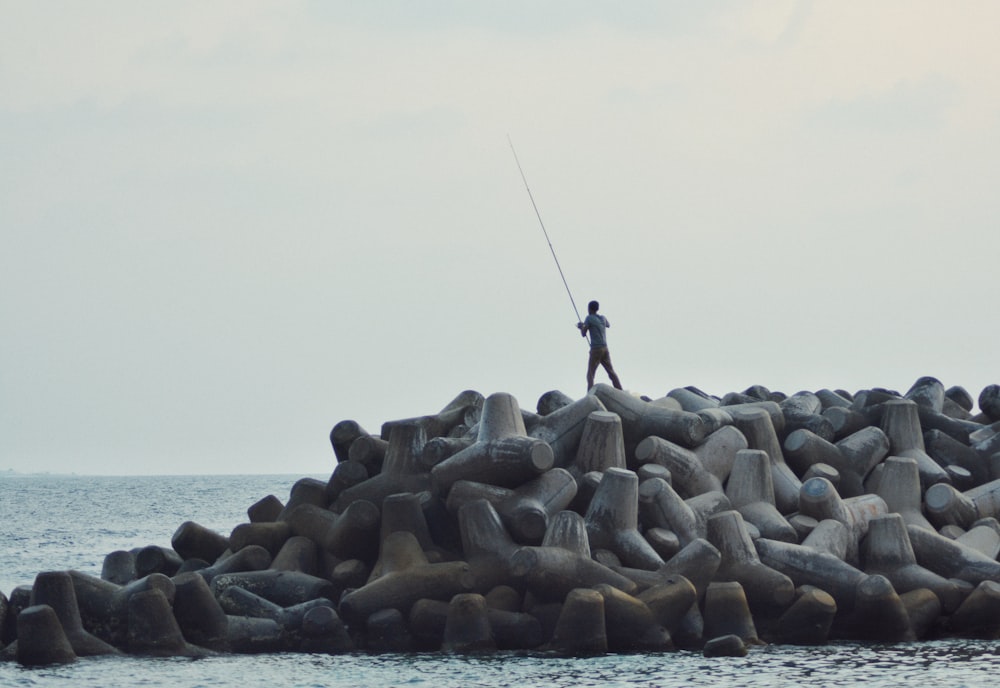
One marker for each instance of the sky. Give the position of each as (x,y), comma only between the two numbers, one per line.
(227,226)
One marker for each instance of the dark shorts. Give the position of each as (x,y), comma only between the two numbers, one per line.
(599,355)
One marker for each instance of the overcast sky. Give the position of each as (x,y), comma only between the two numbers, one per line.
(227,226)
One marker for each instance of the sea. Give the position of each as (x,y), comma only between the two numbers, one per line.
(50,522)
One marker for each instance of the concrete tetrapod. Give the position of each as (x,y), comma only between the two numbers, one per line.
(750,491)
(239,601)
(19,600)
(194,541)
(581,628)
(323,632)
(808,620)
(305,491)
(527,511)
(284,588)
(661,507)
(952,559)
(289,634)
(40,638)
(863,450)
(465,492)
(402,512)
(507,462)
(818,498)
(829,536)
(983,536)
(386,630)
(342,435)
(688,476)
(808,566)
(464,408)
(923,608)
(368,451)
(804,449)
(756,424)
(651,470)
(198,613)
(718,452)
(698,562)
(901,424)
(744,408)
(727,612)
(402,470)
(946,505)
(156,559)
(265,509)
(803,410)
(693,399)
(400,589)
(899,486)
(563,430)
(640,419)
(613,520)
(271,536)
(250,558)
(552,401)
(629,622)
(946,450)
(55,589)
(844,420)
(550,573)
(351,534)
(119,567)
(959,396)
(467,628)
(104,606)
(979,614)
(887,551)
(153,630)
(670,601)
(487,545)
(768,591)
(510,629)
(822,470)
(928,392)
(348,474)
(299,553)
(567,530)
(879,615)
(602,444)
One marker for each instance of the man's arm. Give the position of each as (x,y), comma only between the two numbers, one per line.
(583,327)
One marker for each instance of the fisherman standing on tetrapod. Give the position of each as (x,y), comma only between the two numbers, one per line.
(596,325)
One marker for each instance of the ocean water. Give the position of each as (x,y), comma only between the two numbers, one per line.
(71,522)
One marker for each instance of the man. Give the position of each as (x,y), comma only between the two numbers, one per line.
(596,325)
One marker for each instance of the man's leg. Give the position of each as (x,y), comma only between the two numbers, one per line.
(592,363)
(606,362)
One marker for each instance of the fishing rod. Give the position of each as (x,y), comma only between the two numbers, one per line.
(544,231)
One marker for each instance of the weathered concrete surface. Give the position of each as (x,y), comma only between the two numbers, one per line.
(610,522)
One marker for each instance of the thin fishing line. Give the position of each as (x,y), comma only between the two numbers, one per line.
(544,231)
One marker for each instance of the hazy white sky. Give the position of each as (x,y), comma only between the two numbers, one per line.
(226,226)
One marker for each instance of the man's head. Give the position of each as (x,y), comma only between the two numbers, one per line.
(593,306)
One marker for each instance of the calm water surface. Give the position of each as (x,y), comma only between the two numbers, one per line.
(54,523)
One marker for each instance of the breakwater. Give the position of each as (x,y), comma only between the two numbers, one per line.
(474,507)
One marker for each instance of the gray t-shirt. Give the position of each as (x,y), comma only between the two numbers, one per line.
(596,324)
